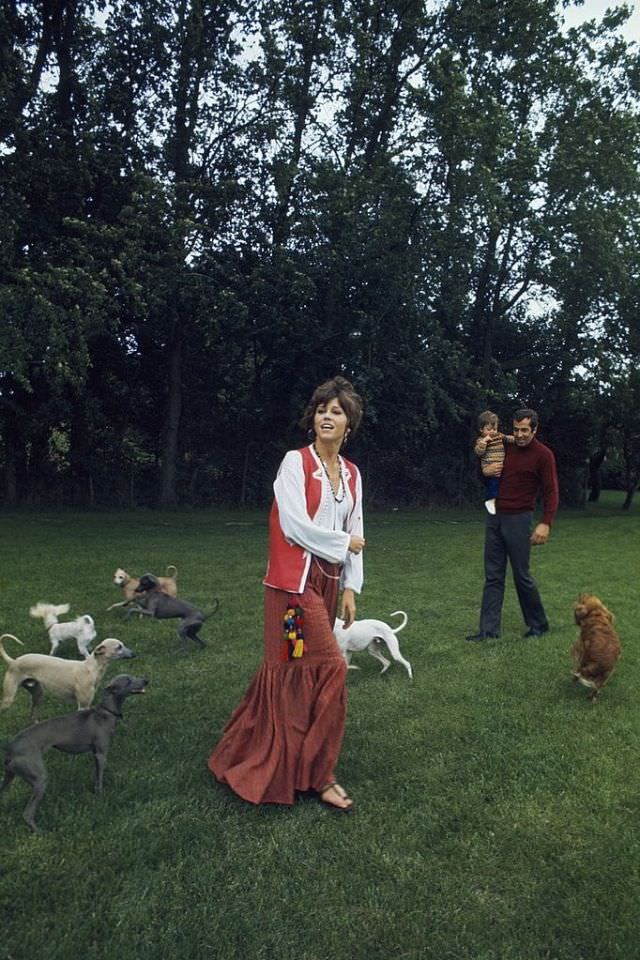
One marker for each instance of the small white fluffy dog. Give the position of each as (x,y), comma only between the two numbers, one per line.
(82,629)
(370,635)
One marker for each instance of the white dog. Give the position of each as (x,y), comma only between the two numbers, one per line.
(370,635)
(68,679)
(82,629)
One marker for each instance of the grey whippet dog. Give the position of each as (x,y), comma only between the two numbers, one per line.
(155,603)
(87,731)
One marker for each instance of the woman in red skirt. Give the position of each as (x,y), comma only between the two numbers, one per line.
(285,735)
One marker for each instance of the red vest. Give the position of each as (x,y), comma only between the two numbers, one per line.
(289,563)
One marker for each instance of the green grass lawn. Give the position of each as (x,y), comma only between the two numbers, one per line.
(498,810)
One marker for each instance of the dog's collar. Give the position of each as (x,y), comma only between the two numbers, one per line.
(113,713)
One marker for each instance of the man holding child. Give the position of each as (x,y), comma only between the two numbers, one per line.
(529,468)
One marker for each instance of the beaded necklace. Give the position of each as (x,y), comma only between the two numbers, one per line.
(341,483)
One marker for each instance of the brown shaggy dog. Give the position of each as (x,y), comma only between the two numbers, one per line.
(597,649)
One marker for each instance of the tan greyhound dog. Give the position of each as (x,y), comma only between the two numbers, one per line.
(68,679)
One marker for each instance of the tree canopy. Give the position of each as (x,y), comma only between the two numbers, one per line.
(209,207)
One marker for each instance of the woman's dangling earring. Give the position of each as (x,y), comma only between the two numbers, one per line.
(345,438)
(311,434)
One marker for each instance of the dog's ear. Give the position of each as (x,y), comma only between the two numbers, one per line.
(593,603)
(585,604)
(610,617)
(580,610)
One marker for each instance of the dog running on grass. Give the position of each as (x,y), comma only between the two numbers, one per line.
(131,585)
(597,649)
(87,731)
(371,635)
(155,603)
(82,629)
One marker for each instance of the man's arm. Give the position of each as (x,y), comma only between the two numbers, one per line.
(550,496)
(550,491)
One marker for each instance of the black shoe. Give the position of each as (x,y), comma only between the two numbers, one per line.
(476,637)
(536,631)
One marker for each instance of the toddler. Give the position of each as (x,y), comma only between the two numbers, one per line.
(489,446)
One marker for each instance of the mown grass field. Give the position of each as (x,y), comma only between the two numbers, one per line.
(498,811)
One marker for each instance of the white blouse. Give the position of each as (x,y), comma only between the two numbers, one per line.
(326,535)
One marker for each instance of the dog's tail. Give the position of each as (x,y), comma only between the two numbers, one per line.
(40,610)
(399,613)
(170,567)
(5,656)
(211,612)
(43,610)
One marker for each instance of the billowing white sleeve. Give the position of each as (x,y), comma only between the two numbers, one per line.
(353,571)
(297,525)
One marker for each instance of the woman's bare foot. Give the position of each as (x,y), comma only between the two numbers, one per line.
(333,795)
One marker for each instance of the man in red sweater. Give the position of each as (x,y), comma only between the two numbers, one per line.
(529,469)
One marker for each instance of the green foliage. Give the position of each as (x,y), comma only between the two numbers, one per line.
(208,207)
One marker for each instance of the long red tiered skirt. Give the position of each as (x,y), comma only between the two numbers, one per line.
(285,734)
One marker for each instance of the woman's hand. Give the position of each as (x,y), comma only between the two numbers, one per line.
(348,607)
(356,543)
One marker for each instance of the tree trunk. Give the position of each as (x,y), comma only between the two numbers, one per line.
(132,487)
(168,494)
(245,471)
(631,473)
(484,316)
(629,497)
(80,456)
(190,67)
(10,469)
(18,96)
(303,104)
(595,474)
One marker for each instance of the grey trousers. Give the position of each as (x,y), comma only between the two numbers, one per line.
(507,537)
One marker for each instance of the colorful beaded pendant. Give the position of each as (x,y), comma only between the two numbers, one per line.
(293,637)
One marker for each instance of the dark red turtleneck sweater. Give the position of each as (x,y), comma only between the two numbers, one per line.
(527,471)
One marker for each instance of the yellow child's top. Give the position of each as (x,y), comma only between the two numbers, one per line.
(490,449)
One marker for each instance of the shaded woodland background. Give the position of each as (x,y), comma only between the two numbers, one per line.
(209,206)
